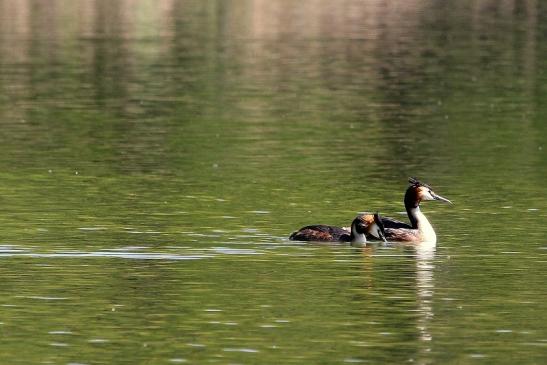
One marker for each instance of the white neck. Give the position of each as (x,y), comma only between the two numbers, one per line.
(358,238)
(425,228)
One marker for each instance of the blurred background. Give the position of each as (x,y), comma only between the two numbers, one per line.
(155,156)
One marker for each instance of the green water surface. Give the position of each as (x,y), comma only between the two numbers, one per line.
(155,156)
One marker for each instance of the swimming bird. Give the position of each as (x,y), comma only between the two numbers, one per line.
(363,224)
(419,229)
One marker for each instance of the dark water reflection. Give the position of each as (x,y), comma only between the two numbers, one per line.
(154,157)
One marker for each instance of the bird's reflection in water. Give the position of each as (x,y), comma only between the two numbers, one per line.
(394,281)
(425,287)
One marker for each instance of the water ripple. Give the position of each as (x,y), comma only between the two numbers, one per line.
(122,255)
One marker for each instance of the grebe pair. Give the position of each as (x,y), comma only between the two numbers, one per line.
(419,229)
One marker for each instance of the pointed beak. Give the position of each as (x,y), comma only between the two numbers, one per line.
(381,232)
(382,235)
(438,197)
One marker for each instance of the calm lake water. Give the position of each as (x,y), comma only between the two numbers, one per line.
(155,156)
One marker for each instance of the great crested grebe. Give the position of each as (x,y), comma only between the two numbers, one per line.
(363,225)
(419,229)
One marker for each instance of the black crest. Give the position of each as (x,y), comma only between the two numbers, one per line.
(416,183)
